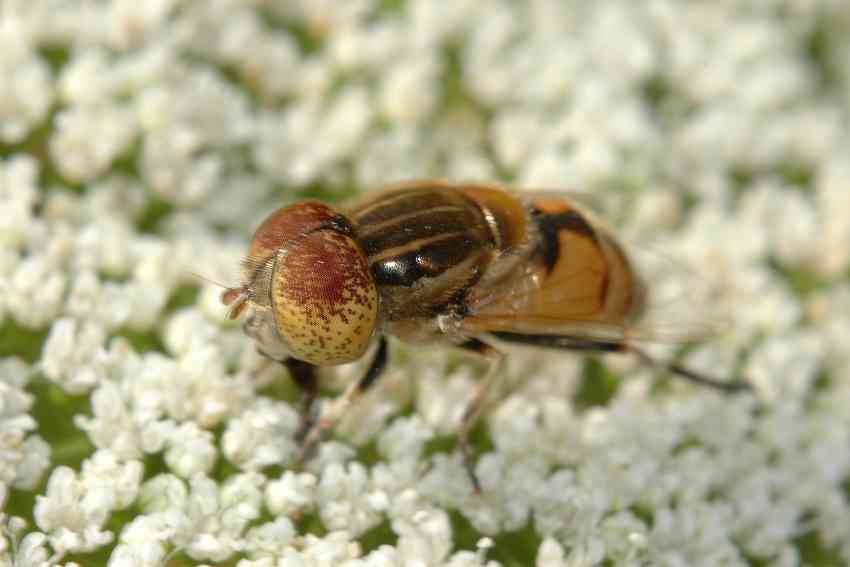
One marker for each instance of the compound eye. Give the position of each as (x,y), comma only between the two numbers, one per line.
(324,298)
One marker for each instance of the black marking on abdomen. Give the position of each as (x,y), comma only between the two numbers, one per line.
(550,225)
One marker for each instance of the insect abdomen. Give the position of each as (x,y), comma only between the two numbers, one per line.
(584,273)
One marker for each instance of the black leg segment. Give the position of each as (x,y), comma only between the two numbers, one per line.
(376,368)
(313,434)
(583,344)
(305,376)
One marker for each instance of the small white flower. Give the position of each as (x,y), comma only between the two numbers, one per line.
(431,25)
(156,265)
(261,436)
(162,493)
(216,517)
(87,78)
(425,536)
(392,478)
(88,138)
(330,453)
(270,539)
(94,300)
(345,122)
(408,92)
(182,116)
(213,396)
(23,457)
(193,387)
(514,135)
(241,499)
(404,438)
(785,366)
(69,356)
(144,302)
(275,54)
(26,94)
(342,498)
(144,542)
(32,551)
(291,493)
(507,492)
(188,329)
(550,554)
(362,421)
(262,562)
(35,461)
(35,292)
(548,168)
(115,425)
(73,513)
(190,450)
(693,534)
(18,196)
(624,537)
(441,401)
(103,471)
(514,427)
(131,22)
(447,482)
(336,548)
(566,509)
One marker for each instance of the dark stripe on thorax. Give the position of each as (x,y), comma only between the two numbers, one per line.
(392,204)
(403,219)
(414,226)
(426,261)
(550,224)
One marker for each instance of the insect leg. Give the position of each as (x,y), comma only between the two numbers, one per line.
(314,434)
(306,378)
(686,373)
(603,346)
(473,409)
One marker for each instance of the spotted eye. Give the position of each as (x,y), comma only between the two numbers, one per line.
(324,298)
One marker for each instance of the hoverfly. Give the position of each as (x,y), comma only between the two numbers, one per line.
(472,267)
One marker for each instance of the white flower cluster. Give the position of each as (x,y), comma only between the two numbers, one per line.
(141,141)
(24,455)
(76,507)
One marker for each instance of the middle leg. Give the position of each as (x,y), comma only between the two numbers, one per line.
(473,409)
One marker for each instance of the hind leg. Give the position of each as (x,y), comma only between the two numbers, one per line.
(582,344)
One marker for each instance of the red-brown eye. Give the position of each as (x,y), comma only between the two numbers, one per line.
(286,225)
(324,298)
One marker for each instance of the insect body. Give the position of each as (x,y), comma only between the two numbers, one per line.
(468,266)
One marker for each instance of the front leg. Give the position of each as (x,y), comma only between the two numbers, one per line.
(331,417)
(306,377)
